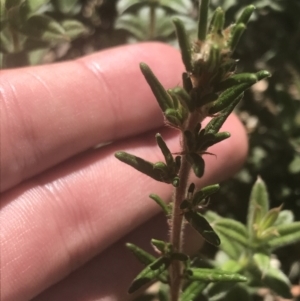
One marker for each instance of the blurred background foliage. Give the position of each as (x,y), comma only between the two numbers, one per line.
(42,31)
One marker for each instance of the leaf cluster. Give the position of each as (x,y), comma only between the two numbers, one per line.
(247,249)
(34,26)
(210,88)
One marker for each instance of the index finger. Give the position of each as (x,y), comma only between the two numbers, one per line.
(53,112)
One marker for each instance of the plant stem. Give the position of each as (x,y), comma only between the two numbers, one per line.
(177,225)
(177,229)
(152,21)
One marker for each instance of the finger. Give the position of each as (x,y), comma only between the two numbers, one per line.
(108,276)
(53,112)
(62,219)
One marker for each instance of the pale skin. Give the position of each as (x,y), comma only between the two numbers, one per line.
(67,209)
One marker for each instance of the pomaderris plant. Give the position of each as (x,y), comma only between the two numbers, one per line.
(211,88)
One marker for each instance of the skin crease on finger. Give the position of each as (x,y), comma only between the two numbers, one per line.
(59,110)
(54,223)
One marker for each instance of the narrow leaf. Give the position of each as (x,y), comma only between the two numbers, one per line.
(216,123)
(284,217)
(204,193)
(218,21)
(214,275)
(158,90)
(202,24)
(165,208)
(237,32)
(228,97)
(270,218)
(231,233)
(246,14)
(238,293)
(184,44)
(258,199)
(242,78)
(41,27)
(197,163)
(165,150)
(202,226)
(228,223)
(183,97)
(143,166)
(288,234)
(143,256)
(278,282)
(150,273)
(262,262)
(193,290)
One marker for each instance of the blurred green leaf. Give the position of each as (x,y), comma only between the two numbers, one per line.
(193,290)
(65,6)
(202,226)
(259,200)
(263,262)
(44,28)
(288,234)
(143,256)
(213,275)
(150,273)
(74,29)
(278,282)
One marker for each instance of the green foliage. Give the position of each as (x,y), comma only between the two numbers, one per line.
(249,249)
(211,88)
(30,28)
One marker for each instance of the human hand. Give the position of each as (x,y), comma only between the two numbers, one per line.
(66,207)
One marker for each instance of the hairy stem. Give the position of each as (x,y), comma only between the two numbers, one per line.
(177,225)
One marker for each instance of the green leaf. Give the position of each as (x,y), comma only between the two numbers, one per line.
(270,218)
(278,282)
(202,25)
(214,275)
(288,234)
(232,248)
(218,290)
(165,208)
(204,193)
(183,97)
(232,266)
(233,229)
(246,14)
(144,166)
(259,200)
(193,290)
(197,163)
(284,217)
(165,150)
(160,245)
(202,226)
(216,123)
(65,6)
(233,236)
(158,90)
(150,273)
(237,32)
(184,44)
(213,60)
(218,21)
(237,79)
(74,28)
(263,262)
(143,256)
(228,97)
(238,293)
(44,28)
(29,7)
